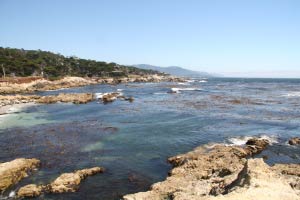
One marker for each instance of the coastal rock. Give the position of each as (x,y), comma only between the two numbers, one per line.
(30,190)
(12,172)
(32,84)
(287,169)
(69,182)
(294,141)
(205,173)
(259,183)
(77,98)
(130,99)
(110,97)
(255,145)
(291,174)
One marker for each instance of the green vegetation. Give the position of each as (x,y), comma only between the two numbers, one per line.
(20,62)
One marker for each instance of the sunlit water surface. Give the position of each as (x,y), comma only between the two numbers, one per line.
(133,140)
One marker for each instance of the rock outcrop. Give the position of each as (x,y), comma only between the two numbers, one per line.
(294,141)
(30,190)
(259,183)
(14,171)
(41,84)
(77,98)
(69,182)
(110,97)
(220,172)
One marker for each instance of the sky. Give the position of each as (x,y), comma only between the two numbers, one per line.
(246,38)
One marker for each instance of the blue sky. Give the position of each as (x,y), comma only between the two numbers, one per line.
(236,38)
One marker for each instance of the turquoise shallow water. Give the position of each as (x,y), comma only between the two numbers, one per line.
(133,140)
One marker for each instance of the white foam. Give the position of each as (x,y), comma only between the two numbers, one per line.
(160,93)
(242,140)
(190,81)
(292,94)
(177,90)
(100,95)
(203,81)
(183,83)
(119,90)
(238,140)
(12,194)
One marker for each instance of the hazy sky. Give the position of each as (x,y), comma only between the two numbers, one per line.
(241,38)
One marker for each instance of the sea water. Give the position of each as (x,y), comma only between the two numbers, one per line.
(133,140)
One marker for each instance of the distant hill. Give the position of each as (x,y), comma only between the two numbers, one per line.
(20,62)
(176,71)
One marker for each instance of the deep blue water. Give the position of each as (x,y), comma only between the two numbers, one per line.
(133,140)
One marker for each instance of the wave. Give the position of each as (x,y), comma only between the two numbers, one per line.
(159,93)
(177,90)
(186,83)
(243,139)
(190,81)
(99,95)
(292,94)
(203,81)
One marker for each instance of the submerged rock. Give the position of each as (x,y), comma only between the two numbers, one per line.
(220,172)
(294,141)
(12,172)
(69,182)
(30,190)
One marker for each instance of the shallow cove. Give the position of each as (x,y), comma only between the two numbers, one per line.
(133,140)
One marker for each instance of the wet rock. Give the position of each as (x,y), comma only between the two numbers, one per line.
(12,172)
(294,141)
(207,173)
(255,145)
(30,190)
(69,182)
(110,97)
(130,99)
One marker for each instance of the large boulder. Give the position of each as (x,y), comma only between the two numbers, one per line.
(255,145)
(14,171)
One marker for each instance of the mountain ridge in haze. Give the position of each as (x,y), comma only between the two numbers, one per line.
(175,70)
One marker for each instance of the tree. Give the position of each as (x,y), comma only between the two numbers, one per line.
(3,70)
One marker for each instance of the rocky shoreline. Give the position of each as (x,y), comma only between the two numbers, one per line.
(42,84)
(14,171)
(225,172)
(209,172)
(18,92)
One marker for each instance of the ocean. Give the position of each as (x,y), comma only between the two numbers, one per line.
(132,141)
